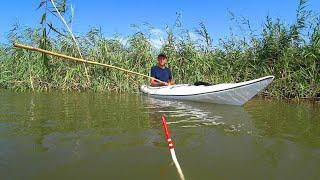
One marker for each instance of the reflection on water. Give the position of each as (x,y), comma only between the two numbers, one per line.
(100,136)
(192,114)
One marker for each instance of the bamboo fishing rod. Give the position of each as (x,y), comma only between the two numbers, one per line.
(21,46)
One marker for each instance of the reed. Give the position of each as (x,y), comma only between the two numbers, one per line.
(291,52)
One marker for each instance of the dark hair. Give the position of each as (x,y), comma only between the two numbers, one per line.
(162,55)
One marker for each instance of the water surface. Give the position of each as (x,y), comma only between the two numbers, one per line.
(58,135)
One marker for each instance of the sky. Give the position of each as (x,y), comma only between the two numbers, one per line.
(117,16)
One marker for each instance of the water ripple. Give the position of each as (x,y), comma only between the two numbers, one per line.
(195,115)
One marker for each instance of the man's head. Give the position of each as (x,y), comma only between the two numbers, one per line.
(162,59)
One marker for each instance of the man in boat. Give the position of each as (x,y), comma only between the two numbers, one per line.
(161,72)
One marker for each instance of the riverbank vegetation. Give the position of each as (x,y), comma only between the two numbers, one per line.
(290,52)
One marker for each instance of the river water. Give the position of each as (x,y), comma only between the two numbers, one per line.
(56,135)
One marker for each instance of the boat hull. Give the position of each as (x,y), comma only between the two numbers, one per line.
(231,93)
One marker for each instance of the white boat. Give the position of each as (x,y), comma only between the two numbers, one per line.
(226,93)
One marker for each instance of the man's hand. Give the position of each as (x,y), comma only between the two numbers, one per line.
(154,82)
(164,84)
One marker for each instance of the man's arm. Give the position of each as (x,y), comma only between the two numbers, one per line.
(156,83)
(153,82)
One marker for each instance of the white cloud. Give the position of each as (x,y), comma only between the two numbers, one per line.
(194,36)
(157,37)
(156,42)
(123,41)
(157,32)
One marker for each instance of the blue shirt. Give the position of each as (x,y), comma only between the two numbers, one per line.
(161,74)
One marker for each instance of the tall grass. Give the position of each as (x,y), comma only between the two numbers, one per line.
(291,52)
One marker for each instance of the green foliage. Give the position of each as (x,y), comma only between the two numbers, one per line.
(290,52)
